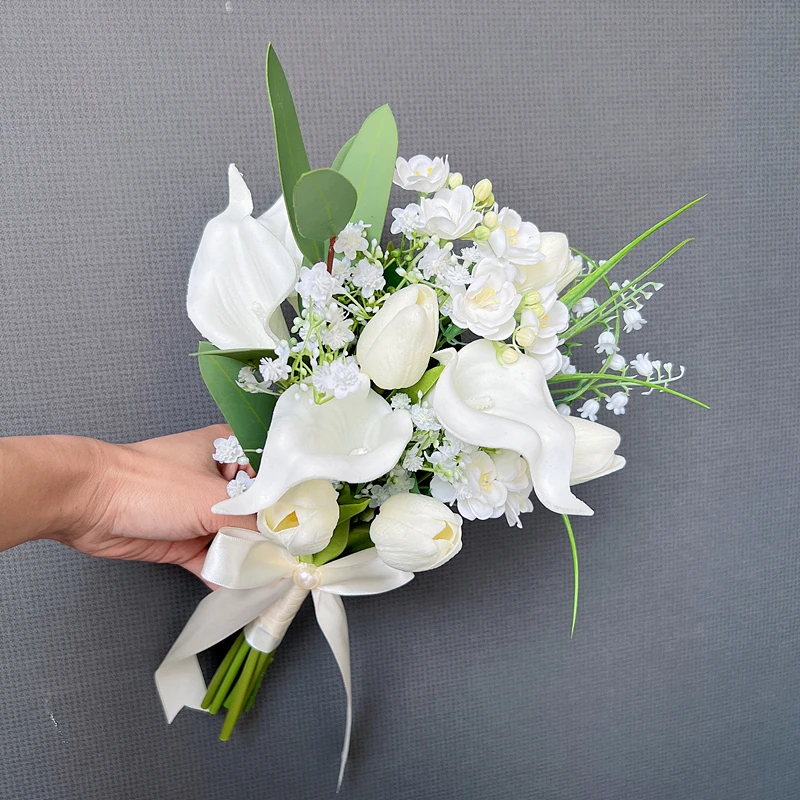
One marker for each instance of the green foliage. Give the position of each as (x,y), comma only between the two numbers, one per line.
(340,156)
(323,203)
(575,573)
(251,357)
(424,384)
(369,164)
(336,545)
(291,152)
(358,539)
(248,415)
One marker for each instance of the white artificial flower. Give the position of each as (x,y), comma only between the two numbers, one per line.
(400,400)
(513,473)
(415,531)
(584,306)
(540,324)
(487,494)
(368,276)
(563,409)
(518,243)
(413,461)
(276,369)
(421,174)
(571,271)
(453,274)
(241,483)
(589,410)
(317,286)
(488,304)
(340,377)
(617,362)
(508,406)
(276,220)
(337,331)
(355,440)
(341,269)
(396,344)
(424,417)
(633,320)
(644,366)
(594,454)
(617,403)
(606,343)
(567,367)
(449,213)
(408,220)
(470,255)
(227,451)
(247,380)
(434,259)
(303,519)
(240,276)
(351,240)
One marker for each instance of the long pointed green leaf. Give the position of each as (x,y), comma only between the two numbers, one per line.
(580,289)
(242,356)
(340,156)
(291,152)
(249,415)
(575,573)
(369,165)
(323,202)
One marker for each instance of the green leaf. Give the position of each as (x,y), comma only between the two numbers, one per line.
(242,356)
(580,289)
(340,156)
(248,414)
(349,510)
(574,550)
(323,202)
(369,164)
(292,158)
(358,539)
(336,545)
(424,384)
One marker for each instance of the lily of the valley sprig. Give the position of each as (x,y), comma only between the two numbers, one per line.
(385,391)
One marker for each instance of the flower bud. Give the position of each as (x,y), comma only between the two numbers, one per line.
(455,180)
(482,190)
(396,345)
(525,336)
(303,519)
(594,454)
(491,220)
(509,355)
(414,532)
(489,201)
(481,233)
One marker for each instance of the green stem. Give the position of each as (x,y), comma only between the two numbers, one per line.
(261,670)
(222,671)
(575,572)
(230,677)
(240,693)
(577,376)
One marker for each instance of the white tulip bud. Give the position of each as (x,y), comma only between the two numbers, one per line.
(482,190)
(594,454)
(303,519)
(396,345)
(414,532)
(491,220)
(455,180)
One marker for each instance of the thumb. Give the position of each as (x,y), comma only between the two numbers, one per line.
(215,492)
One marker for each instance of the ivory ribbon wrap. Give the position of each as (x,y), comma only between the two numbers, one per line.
(262,586)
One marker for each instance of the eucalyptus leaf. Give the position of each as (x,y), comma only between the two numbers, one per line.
(340,156)
(336,545)
(369,165)
(291,152)
(323,203)
(249,415)
(424,384)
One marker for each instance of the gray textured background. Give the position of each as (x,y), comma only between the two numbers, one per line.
(117,122)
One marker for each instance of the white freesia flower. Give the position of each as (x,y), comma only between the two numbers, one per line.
(356,439)
(421,174)
(240,276)
(396,344)
(513,473)
(488,304)
(542,318)
(351,240)
(516,413)
(414,532)
(303,519)
(481,495)
(514,241)
(449,213)
(407,220)
(595,447)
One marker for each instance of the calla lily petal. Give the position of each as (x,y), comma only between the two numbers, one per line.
(508,406)
(276,220)
(355,439)
(594,451)
(240,276)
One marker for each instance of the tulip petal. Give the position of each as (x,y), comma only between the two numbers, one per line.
(240,276)
(594,451)
(356,439)
(508,406)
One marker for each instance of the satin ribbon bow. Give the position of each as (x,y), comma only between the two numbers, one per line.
(262,586)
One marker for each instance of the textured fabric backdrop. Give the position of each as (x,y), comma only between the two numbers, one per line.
(117,122)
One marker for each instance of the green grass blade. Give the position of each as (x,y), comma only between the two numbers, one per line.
(574,549)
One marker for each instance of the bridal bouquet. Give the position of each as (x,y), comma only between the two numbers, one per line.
(385,392)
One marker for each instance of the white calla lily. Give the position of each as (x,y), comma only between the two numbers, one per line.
(595,447)
(276,220)
(508,406)
(356,439)
(240,276)
(396,344)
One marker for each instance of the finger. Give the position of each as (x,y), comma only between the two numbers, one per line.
(228,471)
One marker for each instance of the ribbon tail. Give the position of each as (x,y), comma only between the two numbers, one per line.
(332,621)
(179,679)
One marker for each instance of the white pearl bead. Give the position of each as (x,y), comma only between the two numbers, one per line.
(306,576)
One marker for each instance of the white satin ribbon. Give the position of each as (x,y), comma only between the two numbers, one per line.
(262,586)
